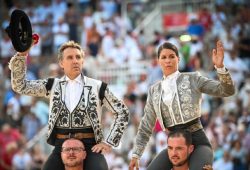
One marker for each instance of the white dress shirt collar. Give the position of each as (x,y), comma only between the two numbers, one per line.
(169,87)
(78,79)
(171,76)
(74,90)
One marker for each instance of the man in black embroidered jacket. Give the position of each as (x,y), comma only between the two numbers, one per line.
(75,106)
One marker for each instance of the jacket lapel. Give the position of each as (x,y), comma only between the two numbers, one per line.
(86,91)
(63,90)
(59,93)
(157,98)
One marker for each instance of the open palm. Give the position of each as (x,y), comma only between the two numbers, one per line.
(218,55)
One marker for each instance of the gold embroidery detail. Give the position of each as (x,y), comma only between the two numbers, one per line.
(225,78)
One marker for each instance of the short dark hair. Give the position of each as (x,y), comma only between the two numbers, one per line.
(181,133)
(167,45)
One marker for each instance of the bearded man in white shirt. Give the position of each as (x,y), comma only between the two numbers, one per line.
(76,102)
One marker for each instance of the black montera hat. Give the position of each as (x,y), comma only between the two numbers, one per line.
(20,30)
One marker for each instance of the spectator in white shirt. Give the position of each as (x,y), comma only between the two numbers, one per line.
(224,162)
(61,33)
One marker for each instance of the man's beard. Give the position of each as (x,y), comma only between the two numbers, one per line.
(73,164)
(182,162)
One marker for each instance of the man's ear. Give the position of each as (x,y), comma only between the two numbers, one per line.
(84,154)
(191,149)
(60,63)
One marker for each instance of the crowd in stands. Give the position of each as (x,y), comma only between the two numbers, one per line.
(108,39)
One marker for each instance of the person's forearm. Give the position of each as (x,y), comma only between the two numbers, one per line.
(143,135)
(18,68)
(121,114)
(19,83)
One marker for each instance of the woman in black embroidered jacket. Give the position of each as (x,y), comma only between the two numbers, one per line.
(75,106)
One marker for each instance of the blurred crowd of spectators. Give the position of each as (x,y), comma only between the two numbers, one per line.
(108,38)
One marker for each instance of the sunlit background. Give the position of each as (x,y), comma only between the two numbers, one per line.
(120,38)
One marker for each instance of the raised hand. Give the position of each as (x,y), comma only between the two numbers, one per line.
(35,40)
(218,55)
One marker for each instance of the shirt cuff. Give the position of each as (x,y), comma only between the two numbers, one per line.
(18,54)
(107,143)
(135,156)
(222,70)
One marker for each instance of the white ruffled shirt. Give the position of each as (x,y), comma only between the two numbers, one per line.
(169,87)
(73,92)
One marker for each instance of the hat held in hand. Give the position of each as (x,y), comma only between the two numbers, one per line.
(20,31)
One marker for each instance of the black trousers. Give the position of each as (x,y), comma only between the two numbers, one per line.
(202,154)
(93,161)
